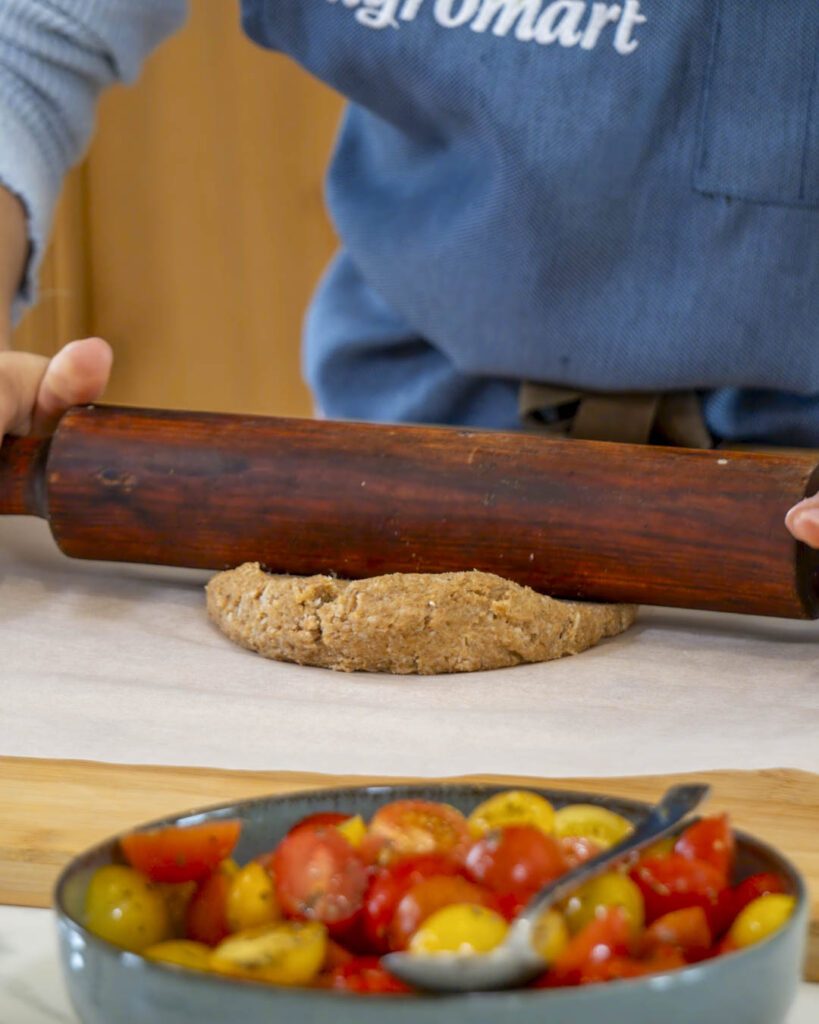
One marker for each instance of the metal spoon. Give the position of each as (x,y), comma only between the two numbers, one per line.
(515,961)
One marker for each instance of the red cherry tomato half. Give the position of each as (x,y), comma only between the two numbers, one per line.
(206,915)
(686,930)
(674,882)
(725,945)
(618,967)
(606,936)
(326,818)
(388,887)
(753,887)
(364,974)
(319,876)
(410,828)
(732,901)
(515,861)
(184,853)
(430,895)
(336,956)
(510,905)
(712,841)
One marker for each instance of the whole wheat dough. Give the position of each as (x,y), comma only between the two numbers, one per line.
(404,622)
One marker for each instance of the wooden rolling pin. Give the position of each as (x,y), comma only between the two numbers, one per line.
(580,519)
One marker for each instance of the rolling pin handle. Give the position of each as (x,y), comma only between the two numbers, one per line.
(23,477)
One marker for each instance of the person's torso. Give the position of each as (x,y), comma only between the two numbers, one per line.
(613,196)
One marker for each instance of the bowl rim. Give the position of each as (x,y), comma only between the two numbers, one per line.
(400,790)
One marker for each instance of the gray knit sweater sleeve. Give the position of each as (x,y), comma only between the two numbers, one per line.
(55,57)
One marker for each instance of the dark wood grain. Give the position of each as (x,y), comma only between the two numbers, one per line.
(575,519)
(22,476)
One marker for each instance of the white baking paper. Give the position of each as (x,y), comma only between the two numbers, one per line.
(120,663)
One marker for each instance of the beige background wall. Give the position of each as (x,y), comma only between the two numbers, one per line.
(193,234)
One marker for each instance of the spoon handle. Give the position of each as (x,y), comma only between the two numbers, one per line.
(676,803)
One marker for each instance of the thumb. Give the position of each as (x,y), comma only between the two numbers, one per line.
(78,373)
(803,521)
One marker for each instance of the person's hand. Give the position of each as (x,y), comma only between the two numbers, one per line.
(803,521)
(35,391)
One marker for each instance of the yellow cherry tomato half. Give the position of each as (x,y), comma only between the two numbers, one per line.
(599,894)
(512,807)
(123,907)
(460,928)
(551,935)
(761,918)
(181,952)
(591,822)
(251,899)
(290,953)
(228,867)
(662,848)
(353,830)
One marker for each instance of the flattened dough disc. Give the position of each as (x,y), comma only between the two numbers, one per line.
(404,622)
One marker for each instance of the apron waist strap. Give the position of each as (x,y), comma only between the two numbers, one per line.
(671,418)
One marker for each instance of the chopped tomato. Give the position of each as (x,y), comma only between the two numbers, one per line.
(364,974)
(512,807)
(336,956)
(618,967)
(593,822)
(516,861)
(510,905)
(725,945)
(579,849)
(734,900)
(251,899)
(674,882)
(321,818)
(686,930)
(409,828)
(281,953)
(611,889)
(184,853)
(761,918)
(460,928)
(123,907)
(319,876)
(663,958)
(428,896)
(605,937)
(710,840)
(206,917)
(388,887)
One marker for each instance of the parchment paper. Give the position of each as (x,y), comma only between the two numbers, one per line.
(120,663)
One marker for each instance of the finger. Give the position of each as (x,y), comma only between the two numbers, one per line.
(21,374)
(803,521)
(77,374)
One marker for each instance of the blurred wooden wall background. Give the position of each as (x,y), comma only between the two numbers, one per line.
(193,234)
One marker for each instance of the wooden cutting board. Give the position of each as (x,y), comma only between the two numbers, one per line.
(51,810)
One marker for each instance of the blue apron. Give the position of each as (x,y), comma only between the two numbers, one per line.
(593,196)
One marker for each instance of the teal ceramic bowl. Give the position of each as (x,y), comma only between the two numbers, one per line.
(110,986)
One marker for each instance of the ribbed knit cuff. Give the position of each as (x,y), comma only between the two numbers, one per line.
(25,171)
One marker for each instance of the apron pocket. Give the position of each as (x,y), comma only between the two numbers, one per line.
(758,136)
